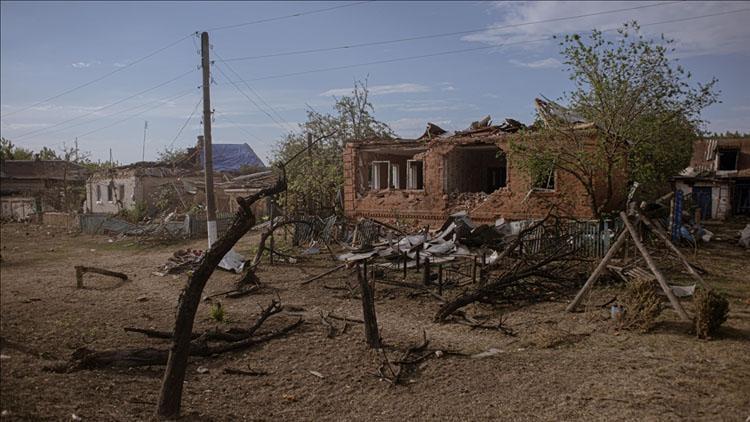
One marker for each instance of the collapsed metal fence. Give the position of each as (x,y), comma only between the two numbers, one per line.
(589,239)
(190,226)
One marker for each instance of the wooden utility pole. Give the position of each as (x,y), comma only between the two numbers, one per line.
(207,149)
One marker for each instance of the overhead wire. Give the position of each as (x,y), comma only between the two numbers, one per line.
(253,102)
(190,117)
(445,34)
(293,15)
(466,50)
(106,75)
(159,103)
(46,129)
(239,126)
(257,94)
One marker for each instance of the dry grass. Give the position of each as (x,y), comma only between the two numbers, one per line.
(642,305)
(711,310)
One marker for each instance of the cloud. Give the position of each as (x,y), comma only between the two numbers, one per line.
(406,88)
(118,64)
(547,63)
(711,35)
(83,65)
(427,106)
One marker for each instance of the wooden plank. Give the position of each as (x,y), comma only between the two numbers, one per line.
(598,271)
(674,249)
(651,265)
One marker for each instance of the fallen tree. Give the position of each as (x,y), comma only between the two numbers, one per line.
(529,275)
(170,396)
(232,339)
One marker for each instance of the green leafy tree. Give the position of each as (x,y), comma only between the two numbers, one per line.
(316,178)
(47,153)
(8,151)
(173,155)
(645,110)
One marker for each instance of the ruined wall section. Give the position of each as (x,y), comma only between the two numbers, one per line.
(435,202)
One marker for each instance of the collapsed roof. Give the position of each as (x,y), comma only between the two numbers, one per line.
(482,126)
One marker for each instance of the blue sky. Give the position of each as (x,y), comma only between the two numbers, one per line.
(48,47)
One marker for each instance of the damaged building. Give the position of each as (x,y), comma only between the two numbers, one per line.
(155,186)
(718,178)
(36,186)
(425,180)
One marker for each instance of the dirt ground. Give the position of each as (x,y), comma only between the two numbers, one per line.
(559,366)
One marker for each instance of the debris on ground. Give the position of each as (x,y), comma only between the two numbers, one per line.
(181,261)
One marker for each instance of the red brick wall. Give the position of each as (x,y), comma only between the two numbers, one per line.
(432,205)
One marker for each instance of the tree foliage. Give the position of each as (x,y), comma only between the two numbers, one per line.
(645,109)
(8,151)
(315,179)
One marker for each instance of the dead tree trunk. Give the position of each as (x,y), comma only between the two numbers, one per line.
(368,309)
(170,396)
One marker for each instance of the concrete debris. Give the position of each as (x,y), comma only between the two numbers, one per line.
(181,261)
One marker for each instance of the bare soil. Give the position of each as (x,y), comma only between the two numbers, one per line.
(559,366)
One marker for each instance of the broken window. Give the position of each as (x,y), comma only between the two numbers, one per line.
(728,159)
(98,193)
(414,174)
(545,179)
(380,175)
(110,192)
(475,168)
(121,193)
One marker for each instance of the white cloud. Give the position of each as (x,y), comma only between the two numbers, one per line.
(118,64)
(448,88)
(83,65)
(711,35)
(538,64)
(426,106)
(406,88)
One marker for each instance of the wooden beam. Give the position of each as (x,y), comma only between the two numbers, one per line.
(598,271)
(674,249)
(650,262)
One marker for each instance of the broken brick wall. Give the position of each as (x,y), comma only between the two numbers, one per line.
(442,195)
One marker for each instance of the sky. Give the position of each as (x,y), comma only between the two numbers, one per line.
(139,63)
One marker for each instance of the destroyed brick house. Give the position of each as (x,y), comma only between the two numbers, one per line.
(38,186)
(425,180)
(718,178)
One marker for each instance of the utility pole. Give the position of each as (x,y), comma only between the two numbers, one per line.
(76,150)
(110,157)
(207,149)
(145,127)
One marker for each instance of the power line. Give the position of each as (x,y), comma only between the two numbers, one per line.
(106,75)
(466,50)
(160,103)
(179,132)
(444,34)
(45,129)
(294,15)
(116,113)
(238,126)
(257,94)
(250,99)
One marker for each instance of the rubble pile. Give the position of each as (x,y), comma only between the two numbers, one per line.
(466,200)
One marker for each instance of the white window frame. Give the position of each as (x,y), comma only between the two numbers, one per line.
(395,181)
(411,176)
(375,168)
